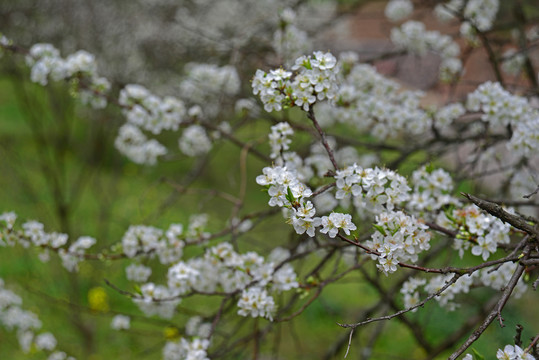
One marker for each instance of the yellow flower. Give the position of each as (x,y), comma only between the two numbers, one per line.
(171,333)
(98,299)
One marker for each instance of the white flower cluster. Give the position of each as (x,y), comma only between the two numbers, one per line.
(483,231)
(235,271)
(447,11)
(498,278)
(513,352)
(148,240)
(45,61)
(446,115)
(196,230)
(75,253)
(370,102)
(195,327)
(509,352)
(220,269)
(157,300)
(445,299)
(314,80)
(181,278)
(373,189)
(414,37)
(278,138)
(501,108)
(525,139)
(410,293)
(398,238)
(186,350)
(247,107)
(481,13)
(256,302)
(135,145)
(206,84)
(335,221)
(25,323)
(513,62)
(12,316)
(289,42)
(150,112)
(432,190)
(397,10)
(287,191)
(194,141)
(283,186)
(33,233)
(138,272)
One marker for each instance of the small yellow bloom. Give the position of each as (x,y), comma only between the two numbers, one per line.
(98,299)
(171,333)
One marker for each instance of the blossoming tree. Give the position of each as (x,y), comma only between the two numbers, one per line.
(341,178)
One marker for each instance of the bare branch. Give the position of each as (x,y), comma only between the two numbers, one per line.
(398,313)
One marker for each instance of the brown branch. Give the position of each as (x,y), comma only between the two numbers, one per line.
(518,335)
(323,189)
(532,193)
(452,339)
(310,115)
(496,310)
(444,270)
(534,341)
(497,211)
(441,229)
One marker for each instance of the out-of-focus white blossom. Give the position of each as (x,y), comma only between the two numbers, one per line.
(397,10)
(195,141)
(120,322)
(414,37)
(513,62)
(138,273)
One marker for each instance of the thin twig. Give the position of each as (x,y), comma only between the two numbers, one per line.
(349,343)
(532,193)
(518,335)
(534,341)
(398,313)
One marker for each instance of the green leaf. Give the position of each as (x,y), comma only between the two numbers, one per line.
(289,195)
(137,289)
(449,213)
(477,355)
(380,229)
